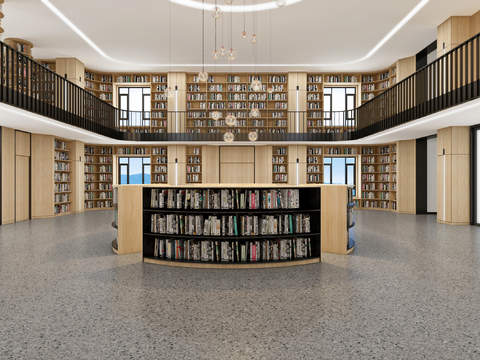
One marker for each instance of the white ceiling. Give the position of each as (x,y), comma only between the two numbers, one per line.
(308,32)
(460,115)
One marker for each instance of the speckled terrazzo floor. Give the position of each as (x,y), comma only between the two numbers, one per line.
(411,290)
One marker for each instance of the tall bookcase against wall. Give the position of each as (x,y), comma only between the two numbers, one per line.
(379,177)
(99,84)
(159,165)
(62,176)
(232,94)
(279,165)
(373,84)
(98,177)
(194,164)
(315,165)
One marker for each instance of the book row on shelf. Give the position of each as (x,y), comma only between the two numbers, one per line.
(229,225)
(232,251)
(217,199)
(98,204)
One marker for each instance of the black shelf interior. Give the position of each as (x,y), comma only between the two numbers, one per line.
(309,204)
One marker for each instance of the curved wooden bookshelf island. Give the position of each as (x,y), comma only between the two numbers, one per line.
(233,225)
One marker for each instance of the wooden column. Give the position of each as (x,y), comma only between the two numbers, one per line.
(211,164)
(77,176)
(42,176)
(263,164)
(22,176)
(177,152)
(8,175)
(177,80)
(297,79)
(406,172)
(73,68)
(453,175)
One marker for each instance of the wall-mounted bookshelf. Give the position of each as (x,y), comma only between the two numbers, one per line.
(99,84)
(62,176)
(373,84)
(233,94)
(279,165)
(315,103)
(159,165)
(23,46)
(378,175)
(194,164)
(98,177)
(315,165)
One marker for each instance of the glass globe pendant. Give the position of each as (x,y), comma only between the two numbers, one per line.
(203,76)
(216,12)
(244,35)
(169,92)
(215,55)
(252,136)
(228,1)
(254,38)
(223,51)
(230,120)
(270,89)
(228,137)
(232,54)
(215,115)
(256,85)
(255,113)
(281,3)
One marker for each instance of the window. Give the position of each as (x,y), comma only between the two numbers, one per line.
(336,101)
(135,105)
(339,171)
(134,170)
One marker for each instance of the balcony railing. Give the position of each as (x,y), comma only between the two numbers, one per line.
(452,79)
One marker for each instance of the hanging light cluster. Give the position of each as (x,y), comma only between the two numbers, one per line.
(203,75)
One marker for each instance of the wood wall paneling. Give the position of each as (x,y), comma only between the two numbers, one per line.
(237,173)
(406,164)
(22,188)
(22,142)
(263,164)
(440,190)
(8,175)
(237,154)
(130,220)
(42,176)
(211,168)
(460,189)
(406,67)
(334,220)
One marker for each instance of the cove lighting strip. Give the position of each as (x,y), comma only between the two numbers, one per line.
(232,8)
(195,4)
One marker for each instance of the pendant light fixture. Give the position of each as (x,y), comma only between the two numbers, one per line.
(230,119)
(244,33)
(231,54)
(223,50)
(228,137)
(281,3)
(215,53)
(216,115)
(254,38)
(169,92)
(270,88)
(228,2)
(252,136)
(203,75)
(216,12)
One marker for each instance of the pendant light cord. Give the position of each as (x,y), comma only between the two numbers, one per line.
(203,35)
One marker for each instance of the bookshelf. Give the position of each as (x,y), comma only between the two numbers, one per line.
(315,165)
(314,103)
(159,103)
(62,176)
(373,84)
(231,233)
(98,177)
(99,84)
(279,165)
(159,165)
(379,178)
(194,165)
(23,46)
(233,94)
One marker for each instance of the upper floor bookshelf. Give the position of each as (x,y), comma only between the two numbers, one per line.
(232,94)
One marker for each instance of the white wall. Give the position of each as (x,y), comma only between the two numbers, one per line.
(432,175)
